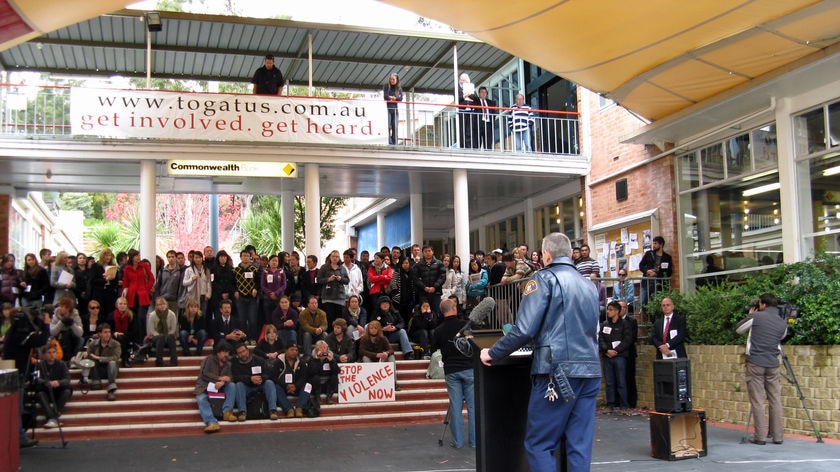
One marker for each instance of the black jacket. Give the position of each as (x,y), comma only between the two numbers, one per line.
(429,274)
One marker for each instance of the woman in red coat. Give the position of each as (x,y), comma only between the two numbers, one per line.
(138,283)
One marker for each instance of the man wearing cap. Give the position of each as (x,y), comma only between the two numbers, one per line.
(268,80)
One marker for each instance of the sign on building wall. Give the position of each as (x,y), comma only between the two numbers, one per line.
(367,382)
(198,168)
(226,117)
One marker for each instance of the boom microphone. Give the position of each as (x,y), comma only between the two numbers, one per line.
(480,313)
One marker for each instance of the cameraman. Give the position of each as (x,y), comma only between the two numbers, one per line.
(66,327)
(28,331)
(766,329)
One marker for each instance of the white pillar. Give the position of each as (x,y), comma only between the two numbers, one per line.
(460,188)
(416,204)
(530,230)
(147,211)
(795,204)
(287,220)
(312,217)
(380,230)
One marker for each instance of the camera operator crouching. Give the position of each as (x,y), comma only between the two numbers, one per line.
(767,328)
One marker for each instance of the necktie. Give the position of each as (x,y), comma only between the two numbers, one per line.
(667,333)
(486,112)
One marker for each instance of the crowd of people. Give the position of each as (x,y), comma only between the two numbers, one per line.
(291,321)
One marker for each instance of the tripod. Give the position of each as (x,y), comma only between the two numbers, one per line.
(791,378)
(445,426)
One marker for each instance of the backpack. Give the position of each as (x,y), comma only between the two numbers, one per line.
(435,370)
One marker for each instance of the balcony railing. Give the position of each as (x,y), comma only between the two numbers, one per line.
(44,111)
(509,296)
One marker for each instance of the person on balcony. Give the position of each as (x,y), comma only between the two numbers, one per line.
(393,94)
(467,100)
(268,80)
(521,123)
(487,136)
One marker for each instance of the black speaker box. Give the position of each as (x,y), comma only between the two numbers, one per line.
(672,385)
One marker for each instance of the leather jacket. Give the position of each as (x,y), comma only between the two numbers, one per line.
(559,313)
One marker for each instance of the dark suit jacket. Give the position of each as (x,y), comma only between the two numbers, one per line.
(634,328)
(220,330)
(676,343)
(307,287)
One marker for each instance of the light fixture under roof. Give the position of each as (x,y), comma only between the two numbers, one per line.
(762,189)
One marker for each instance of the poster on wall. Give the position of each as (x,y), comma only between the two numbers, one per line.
(646,240)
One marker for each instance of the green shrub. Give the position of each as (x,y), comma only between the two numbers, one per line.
(813,286)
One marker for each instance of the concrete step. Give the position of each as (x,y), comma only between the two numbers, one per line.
(158,401)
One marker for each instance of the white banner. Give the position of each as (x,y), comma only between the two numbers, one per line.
(226,117)
(367,382)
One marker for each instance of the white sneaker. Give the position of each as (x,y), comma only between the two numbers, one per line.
(52,423)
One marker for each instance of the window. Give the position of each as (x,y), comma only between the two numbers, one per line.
(729,201)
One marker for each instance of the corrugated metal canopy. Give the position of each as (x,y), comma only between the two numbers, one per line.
(655,57)
(213,47)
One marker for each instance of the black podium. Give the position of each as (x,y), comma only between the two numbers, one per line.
(501,409)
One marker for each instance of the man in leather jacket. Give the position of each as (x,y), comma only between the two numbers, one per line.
(559,314)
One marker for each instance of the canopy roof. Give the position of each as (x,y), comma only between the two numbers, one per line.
(216,47)
(654,57)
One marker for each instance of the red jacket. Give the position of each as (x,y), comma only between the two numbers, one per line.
(138,282)
(121,323)
(379,282)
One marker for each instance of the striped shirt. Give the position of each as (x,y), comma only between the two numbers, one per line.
(521,118)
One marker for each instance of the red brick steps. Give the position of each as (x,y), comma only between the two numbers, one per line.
(158,401)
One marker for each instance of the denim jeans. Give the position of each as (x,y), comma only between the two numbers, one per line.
(308,339)
(615,373)
(248,311)
(401,337)
(461,387)
(200,336)
(283,399)
(522,140)
(393,124)
(204,403)
(243,390)
(287,336)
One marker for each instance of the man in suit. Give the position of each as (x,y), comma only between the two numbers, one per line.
(632,392)
(309,286)
(485,119)
(225,327)
(669,333)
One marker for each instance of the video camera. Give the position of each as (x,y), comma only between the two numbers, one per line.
(787,311)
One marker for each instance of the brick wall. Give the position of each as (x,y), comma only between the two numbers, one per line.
(717,385)
(649,187)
